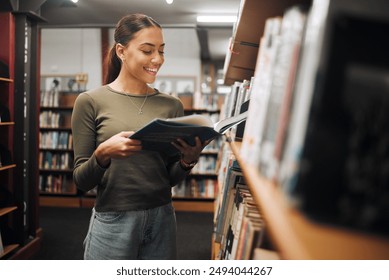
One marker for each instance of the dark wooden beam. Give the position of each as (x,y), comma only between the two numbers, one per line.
(104,50)
(202,34)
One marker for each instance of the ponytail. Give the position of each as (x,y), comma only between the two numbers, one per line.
(113,66)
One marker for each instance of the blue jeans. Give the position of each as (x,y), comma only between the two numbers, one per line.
(128,235)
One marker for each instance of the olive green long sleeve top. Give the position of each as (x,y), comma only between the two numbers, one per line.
(140,181)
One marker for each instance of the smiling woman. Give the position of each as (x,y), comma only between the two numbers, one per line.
(133,185)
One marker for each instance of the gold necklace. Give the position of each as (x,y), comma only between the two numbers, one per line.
(140,111)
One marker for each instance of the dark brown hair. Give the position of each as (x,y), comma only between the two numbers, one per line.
(125,30)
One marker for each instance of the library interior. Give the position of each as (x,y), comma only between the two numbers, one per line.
(277,185)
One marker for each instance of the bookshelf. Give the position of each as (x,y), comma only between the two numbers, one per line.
(19,222)
(8,208)
(298,237)
(294,226)
(58,94)
(242,53)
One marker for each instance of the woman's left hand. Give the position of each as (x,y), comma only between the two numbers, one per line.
(190,153)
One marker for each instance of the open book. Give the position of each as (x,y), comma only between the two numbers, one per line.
(159,134)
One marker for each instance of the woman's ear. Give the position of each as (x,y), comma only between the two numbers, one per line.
(120,51)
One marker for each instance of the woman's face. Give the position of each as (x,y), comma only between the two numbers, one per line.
(144,55)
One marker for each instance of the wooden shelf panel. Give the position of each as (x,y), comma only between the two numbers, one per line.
(59,201)
(5,167)
(244,46)
(297,237)
(88,202)
(6,80)
(8,249)
(198,205)
(6,210)
(6,123)
(194,206)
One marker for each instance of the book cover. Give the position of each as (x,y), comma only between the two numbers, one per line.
(159,134)
(232,178)
(282,86)
(260,92)
(306,77)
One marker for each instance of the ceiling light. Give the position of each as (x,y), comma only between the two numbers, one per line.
(69,4)
(169,1)
(216,19)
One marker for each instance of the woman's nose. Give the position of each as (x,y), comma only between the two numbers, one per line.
(157,59)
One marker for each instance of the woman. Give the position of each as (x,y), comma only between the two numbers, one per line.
(133,217)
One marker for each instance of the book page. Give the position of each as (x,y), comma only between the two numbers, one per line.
(223,125)
(195,119)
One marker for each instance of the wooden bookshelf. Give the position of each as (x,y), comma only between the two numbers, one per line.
(298,237)
(191,205)
(5,167)
(20,232)
(6,80)
(59,201)
(8,249)
(294,234)
(244,45)
(6,210)
(6,123)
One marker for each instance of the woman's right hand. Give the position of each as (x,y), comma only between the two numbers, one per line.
(118,146)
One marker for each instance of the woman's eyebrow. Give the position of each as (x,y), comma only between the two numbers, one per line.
(152,45)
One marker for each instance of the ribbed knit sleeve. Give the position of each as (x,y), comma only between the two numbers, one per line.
(87,172)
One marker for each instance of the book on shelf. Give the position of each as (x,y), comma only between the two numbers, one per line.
(253,229)
(230,101)
(306,77)
(347,130)
(260,92)
(244,226)
(242,200)
(241,106)
(331,167)
(195,188)
(235,221)
(281,89)
(159,134)
(232,175)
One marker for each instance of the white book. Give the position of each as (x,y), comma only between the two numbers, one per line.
(283,74)
(305,83)
(260,91)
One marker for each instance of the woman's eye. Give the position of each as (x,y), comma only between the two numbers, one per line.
(147,52)
(161,52)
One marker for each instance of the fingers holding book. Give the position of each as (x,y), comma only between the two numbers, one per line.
(117,146)
(188,152)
